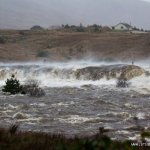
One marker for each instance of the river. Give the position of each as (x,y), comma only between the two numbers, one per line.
(76,106)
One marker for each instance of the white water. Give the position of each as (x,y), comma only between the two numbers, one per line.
(142,83)
(80,110)
(60,74)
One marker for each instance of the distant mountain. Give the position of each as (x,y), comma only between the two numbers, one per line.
(26,13)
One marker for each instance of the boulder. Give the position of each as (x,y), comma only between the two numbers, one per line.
(20,115)
(112,71)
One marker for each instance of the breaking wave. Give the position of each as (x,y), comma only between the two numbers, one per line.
(73,74)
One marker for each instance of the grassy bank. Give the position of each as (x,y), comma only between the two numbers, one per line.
(51,45)
(13,140)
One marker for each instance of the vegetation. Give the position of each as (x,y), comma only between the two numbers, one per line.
(43,54)
(123,83)
(81,28)
(137,29)
(12,86)
(32,88)
(45,40)
(36,27)
(2,40)
(145,135)
(13,129)
(14,140)
(21,32)
(93,28)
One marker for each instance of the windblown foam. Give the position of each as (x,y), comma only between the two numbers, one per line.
(65,74)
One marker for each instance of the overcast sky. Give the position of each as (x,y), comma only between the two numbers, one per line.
(26,13)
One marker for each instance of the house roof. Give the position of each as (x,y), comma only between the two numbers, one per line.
(125,24)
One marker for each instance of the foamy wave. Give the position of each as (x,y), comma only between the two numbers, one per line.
(50,74)
(38,104)
(65,104)
(20,115)
(62,75)
(76,119)
(141,115)
(141,84)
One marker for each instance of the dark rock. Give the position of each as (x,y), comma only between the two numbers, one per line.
(126,72)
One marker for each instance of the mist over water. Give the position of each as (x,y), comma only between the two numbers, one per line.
(76,106)
(56,74)
(49,74)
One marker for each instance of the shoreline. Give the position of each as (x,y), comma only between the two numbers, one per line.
(14,139)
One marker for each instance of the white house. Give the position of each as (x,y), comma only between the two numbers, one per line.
(123,27)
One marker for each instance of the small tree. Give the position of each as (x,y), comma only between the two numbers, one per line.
(12,86)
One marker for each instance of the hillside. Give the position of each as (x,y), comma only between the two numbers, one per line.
(60,46)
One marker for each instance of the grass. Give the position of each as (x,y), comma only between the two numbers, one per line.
(39,141)
(26,45)
(2,40)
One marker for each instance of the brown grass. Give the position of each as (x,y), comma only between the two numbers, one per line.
(40,141)
(74,45)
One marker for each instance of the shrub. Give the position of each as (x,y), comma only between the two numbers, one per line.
(13,129)
(80,29)
(36,27)
(12,86)
(32,88)
(123,83)
(145,134)
(21,32)
(37,92)
(2,40)
(43,54)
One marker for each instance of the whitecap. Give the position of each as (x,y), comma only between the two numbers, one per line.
(140,115)
(38,104)
(20,115)
(76,119)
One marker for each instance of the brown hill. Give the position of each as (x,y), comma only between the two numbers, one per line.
(56,45)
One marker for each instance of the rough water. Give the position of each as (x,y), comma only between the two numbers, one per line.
(76,106)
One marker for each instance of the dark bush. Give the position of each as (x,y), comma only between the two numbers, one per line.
(123,83)
(145,134)
(2,40)
(32,88)
(37,92)
(36,27)
(21,32)
(12,86)
(43,54)
(13,129)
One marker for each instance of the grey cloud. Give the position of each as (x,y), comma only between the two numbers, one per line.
(26,13)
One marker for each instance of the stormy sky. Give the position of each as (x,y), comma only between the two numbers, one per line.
(23,14)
